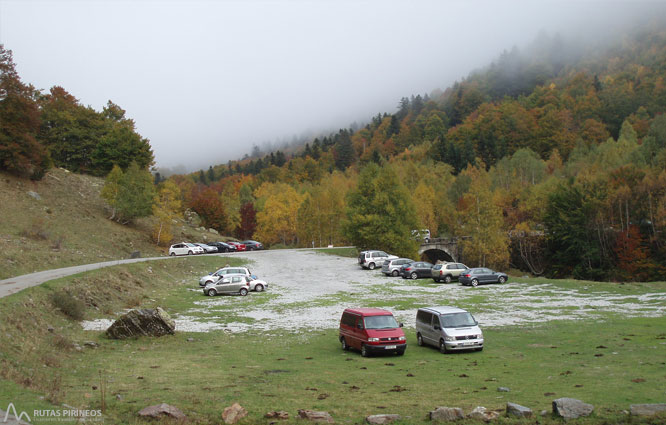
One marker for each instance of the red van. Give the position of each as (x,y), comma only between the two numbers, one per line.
(371,330)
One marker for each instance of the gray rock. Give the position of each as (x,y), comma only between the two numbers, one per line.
(280,414)
(160,410)
(503,389)
(647,409)
(480,413)
(135,254)
(543,413)
(35,195)
(190,339)
(233,413)
(516,410)
(315,416)
(91,344)
(445,414)
(381,419)
(570,408)
(142,322)
(119,397)
(211,230)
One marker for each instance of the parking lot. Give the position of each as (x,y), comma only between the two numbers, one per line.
(309,290)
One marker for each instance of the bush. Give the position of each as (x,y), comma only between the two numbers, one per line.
(69,305)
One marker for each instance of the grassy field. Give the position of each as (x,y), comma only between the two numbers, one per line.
(69,225)
(610,363)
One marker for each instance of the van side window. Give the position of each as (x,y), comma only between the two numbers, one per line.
(359,323)
(348,319)
(423,317)
(435,320)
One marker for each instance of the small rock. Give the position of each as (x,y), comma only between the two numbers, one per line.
(381,419)
(647,409)
(190,339)
(34,195)
(543,413)
(480,413)
(135,254)
(50,329)
(315,416)
(211,230)
(503,390)
(233,413)
(322,396)
(570,408)
(91,344)
(444,414)
(77,347)
(119,397)
(160,410)
(281,414)
(516,410)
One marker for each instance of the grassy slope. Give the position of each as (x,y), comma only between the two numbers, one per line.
(70,214)
(290,371)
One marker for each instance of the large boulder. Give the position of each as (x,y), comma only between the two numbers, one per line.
(647,409)
(518,411)
(570,408)
(381,419)
(160,410)
(480,413)
(142,322)
(446,414)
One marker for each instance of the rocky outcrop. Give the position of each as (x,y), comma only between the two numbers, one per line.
(518,411)
(647,409)
(480,413)
(233,414)
(316,416)
(381,419)
(445,414)
(160,410)
(279,414)
(570,408)
(142,322)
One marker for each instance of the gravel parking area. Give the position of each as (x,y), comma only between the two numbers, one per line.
(309,290)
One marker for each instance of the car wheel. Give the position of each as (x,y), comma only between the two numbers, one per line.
(394,273)
(226,249)
(447,279)
(259,288)
(475,282)
(243,292)
(419,340)
(212,292)
(173,254)
(501,279)
(413,275)
(251,249)
(343,342)
(189,252)
(364,351)
(371,266)
(442,347)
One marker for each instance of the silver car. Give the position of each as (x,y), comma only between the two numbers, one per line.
(448,328)
(237,284)
(372,259)
(212,277)
(392,267)
(446,272)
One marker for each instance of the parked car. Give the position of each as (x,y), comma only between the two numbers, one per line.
(236,284)
(223,247)
(372,259)
(392,267)
(481,275)
(223,272)
(185,248)
(252,245)
(371,330)
(208,249)
(256,284)
(447,271)
(421,235)
(416,270)
(239,246)
(448,328)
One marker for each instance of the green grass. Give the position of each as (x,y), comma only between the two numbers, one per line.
(350,252)
(285,370)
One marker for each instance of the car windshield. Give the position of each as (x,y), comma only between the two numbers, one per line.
(380,322)
(457,320)
(190,245)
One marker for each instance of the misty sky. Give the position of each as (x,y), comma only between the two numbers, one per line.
(205,80)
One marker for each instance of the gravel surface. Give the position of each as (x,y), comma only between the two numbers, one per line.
(309,290)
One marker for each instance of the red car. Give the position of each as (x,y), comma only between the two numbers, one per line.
(371,330)
(239,246)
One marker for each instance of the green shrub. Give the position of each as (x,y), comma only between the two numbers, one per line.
(69,305)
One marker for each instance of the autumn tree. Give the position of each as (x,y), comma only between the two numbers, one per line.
(130,193)
(248,221)
(166,208)
(206,202)
(20,152)
(278,218)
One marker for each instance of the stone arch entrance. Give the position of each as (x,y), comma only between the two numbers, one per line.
(434,255)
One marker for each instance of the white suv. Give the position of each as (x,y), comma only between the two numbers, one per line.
(373,259)
(212,277)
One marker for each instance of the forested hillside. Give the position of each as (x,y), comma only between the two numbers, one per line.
(551,159)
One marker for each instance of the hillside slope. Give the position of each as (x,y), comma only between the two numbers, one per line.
(64,223)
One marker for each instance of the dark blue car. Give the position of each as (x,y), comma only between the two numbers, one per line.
(481,275)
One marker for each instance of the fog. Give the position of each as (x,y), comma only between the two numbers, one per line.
(207,80)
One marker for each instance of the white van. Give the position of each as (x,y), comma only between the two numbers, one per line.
(448,328)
